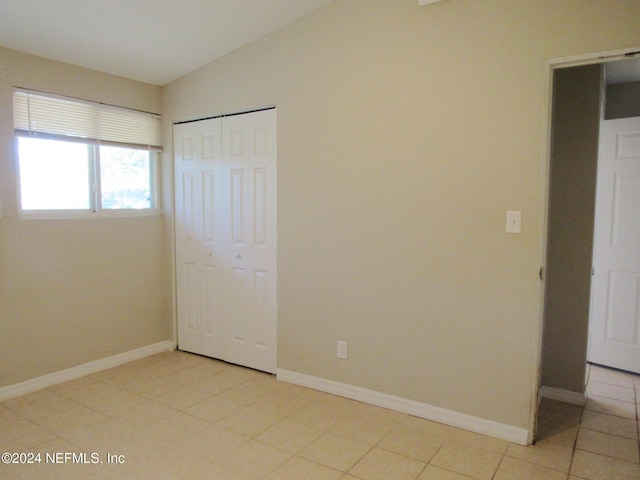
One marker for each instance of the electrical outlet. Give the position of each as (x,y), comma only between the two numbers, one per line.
(342,349)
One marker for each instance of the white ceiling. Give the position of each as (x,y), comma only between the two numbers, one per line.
(153,41)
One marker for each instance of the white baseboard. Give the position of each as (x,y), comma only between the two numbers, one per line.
(28,386)
(562,395)
(411,407)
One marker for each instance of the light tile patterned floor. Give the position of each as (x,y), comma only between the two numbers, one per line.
(181,416)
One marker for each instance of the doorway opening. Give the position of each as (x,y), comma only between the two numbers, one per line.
(581,97)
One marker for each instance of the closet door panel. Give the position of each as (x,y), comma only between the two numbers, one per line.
(197,166)
(249,173)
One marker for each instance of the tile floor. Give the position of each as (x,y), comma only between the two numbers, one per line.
(181,416)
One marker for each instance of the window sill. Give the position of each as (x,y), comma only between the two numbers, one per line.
(87,214)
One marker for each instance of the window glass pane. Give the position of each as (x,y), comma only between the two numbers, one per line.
(54,175)
(125,178)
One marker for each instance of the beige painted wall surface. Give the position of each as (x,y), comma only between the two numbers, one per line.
(73,291)
(404,135)
(572,199)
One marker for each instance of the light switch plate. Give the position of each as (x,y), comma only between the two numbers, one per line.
(342,349)
(514,222)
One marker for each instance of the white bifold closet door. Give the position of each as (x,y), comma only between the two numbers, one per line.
(226,238)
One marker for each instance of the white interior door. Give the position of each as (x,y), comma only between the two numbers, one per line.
(226,238)
(249,175)
(198,195)
(615,308)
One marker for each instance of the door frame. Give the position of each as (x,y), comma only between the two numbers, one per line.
(552,66)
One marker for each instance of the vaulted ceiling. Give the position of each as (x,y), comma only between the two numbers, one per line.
(153,41)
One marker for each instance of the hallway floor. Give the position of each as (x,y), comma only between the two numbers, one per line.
(182,416)
(599,441)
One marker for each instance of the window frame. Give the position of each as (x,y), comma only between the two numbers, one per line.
(95,209)
(93,185)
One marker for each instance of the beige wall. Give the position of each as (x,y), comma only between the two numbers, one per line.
(404,135)
(572,198)
(73,291)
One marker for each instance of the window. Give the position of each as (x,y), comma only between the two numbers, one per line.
(79,158)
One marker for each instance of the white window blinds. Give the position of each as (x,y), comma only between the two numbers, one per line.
(35,112)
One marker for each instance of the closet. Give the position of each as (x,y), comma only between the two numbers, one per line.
(226,237)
